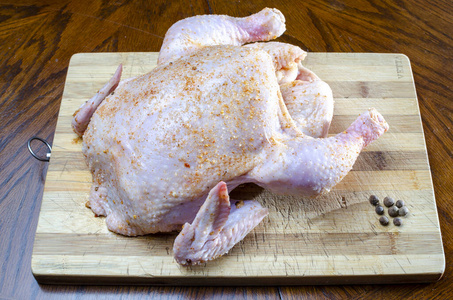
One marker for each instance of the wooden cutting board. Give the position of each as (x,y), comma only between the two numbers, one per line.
(333,239)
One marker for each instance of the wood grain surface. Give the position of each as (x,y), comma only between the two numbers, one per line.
(332,239)
(38,38)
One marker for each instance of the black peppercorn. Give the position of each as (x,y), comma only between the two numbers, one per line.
(374,200)
(379,210)
(384,220)
(393,211)
(403,211)
(397,222)
(388,201)
(399,203)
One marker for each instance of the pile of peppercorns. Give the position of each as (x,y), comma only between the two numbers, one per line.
(394,210)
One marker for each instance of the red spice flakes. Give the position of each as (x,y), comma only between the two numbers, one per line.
(186,165)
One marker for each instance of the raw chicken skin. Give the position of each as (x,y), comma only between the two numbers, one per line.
(189,35)
(165,148)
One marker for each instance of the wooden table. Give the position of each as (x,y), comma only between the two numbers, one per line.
(39,37)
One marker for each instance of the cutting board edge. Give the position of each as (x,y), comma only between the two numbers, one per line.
(266,280)
(238,281)
(427,158)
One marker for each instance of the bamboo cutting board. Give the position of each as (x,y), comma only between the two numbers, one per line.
(333,239)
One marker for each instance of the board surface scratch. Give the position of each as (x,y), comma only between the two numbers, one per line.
(334,239)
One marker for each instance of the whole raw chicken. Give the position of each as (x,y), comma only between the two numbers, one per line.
(165,148)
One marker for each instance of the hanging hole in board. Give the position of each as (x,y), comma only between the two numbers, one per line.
(47,157)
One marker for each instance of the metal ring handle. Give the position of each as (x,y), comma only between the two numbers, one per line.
(47,158)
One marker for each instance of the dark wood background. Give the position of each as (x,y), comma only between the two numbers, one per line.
(37,39)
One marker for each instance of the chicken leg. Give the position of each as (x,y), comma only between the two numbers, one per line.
(308,99)
(310,104)
(311,166)
(189,35)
